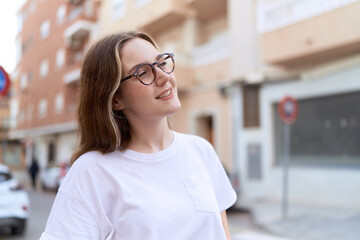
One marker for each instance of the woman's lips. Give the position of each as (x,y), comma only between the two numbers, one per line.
(165,94)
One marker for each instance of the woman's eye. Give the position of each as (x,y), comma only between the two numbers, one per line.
(142,74)
(162,64)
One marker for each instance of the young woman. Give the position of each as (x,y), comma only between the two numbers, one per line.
(132,177)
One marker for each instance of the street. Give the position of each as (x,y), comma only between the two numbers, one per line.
(240,222)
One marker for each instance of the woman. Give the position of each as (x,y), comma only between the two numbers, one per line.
(132,177)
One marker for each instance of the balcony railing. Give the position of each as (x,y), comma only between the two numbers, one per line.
(280,13)
(213,51)
(86,12)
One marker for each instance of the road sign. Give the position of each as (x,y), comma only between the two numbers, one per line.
(288,110)
(4,82)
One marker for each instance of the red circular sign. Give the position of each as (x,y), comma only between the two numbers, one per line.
(4,82)
(288,109)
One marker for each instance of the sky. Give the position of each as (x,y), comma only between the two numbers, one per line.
(8,30)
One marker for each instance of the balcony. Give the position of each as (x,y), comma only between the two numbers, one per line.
(211,52)
(73,66)
(206,10)
(72,77)
(300,33)
(83,22)
(211,61)
(167,14)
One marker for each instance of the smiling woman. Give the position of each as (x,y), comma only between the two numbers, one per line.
(132,176)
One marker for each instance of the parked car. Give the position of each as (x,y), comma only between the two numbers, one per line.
(51,177)
(14,202)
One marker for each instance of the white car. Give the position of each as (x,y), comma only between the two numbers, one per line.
(51,177)
(14,202)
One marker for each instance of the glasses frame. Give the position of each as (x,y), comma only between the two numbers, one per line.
(152,68)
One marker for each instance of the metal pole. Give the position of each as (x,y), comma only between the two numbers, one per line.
(286,151)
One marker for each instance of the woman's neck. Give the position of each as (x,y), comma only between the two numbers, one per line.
(150,137)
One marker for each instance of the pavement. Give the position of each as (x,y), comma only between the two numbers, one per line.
(302,222)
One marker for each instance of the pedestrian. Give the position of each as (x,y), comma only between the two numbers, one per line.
(132,177)
(33,171)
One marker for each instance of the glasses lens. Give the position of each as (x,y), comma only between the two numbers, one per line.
(146,74)
(166,63)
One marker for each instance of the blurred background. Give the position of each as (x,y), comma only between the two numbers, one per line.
(235,61)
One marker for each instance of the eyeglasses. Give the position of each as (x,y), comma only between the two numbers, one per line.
(146,72)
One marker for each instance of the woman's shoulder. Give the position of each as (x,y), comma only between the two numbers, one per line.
(193,140)
(85,171)
(90,156)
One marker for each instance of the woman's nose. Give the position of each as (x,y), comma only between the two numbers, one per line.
(161,76)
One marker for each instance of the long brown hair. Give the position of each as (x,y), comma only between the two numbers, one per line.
(100,128)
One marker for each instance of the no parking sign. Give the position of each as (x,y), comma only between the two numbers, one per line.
(288,109)
(4,82)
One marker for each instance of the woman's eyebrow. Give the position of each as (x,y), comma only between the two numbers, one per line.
(137,65)
(134,68)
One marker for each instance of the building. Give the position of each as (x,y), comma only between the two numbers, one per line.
(317,44)
(52,38)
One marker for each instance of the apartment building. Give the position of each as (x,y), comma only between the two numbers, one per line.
(235,60)
(52,39)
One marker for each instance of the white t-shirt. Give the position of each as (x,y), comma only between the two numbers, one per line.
(175,194)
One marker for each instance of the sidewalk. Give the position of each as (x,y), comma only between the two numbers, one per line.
(306,222)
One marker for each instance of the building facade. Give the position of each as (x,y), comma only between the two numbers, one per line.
(52,39)
(317,45)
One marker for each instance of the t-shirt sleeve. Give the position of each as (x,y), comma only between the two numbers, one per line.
(224,191)
(71,219)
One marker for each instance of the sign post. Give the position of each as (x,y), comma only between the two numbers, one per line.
(288,112)
(4,82)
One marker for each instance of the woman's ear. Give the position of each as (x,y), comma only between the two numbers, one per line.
(117,103)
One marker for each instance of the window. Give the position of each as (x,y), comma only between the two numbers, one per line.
(20,22)
(118,9)
(45,29)
(60,15)
(59,103)
(23,81)
(30,76)
(32,6)
(14,111)
(251,106)
(44,68)
(18,45)
(327,131)
(21,116)
(27,44)
(141,3)
(42,107)
(29,112)
(60,58)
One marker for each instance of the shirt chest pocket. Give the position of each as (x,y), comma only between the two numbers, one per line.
(201,192)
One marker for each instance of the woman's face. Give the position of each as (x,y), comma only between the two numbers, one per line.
(146,102)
